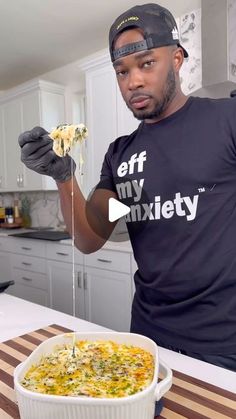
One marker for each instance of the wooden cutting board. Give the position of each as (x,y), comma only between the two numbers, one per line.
(188,397)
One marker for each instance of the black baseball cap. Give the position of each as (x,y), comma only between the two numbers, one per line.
(157,24)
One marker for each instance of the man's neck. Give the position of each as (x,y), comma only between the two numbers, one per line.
(177,103)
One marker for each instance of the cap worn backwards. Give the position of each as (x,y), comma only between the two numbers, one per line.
(157,24)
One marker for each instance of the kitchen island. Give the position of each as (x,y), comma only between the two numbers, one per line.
(19,317)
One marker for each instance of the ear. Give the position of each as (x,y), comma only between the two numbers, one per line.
(178,58)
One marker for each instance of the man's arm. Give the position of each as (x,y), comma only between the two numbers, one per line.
(90,223)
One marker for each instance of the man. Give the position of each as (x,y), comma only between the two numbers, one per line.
(181,165)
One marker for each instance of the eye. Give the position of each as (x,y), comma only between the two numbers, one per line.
(121,73)
(148,63)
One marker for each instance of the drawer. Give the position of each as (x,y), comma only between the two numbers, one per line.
(110,260)
(31,279)
(28,247)
(63,253)
(28,263)
(5,244)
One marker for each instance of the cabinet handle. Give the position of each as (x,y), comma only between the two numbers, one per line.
(62,254)
(79,280)
(85,281)
(21,181)
(104,260)
(0,181)
(26,279)
(26,248)
(26,263)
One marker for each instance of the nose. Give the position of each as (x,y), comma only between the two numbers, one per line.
(135,79)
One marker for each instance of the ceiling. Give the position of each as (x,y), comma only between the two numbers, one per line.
(37,36)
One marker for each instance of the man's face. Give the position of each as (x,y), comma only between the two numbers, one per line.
(146,79)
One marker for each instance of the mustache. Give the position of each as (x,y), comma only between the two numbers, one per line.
(139,95)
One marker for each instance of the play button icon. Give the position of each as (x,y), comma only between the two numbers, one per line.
(116,209)
(125,209)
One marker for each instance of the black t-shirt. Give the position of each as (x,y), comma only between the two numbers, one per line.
(179,178)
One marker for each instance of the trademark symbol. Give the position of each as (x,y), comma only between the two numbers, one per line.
(200,190)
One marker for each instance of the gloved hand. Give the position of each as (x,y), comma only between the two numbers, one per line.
(37,154)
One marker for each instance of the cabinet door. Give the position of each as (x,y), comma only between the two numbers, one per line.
(102,120)
(3,178)
(108,298)
(52,113)
(35,105)
(61,285)
(30,119)
(12,120)
(41,104)
(80,294)
(5,270)
(52,109)
(34,295)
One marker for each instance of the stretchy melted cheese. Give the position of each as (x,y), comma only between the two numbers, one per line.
(65,136)
(98,369)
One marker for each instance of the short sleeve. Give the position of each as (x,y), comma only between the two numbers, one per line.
(106,176)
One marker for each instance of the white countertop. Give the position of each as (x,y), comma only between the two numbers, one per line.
(4,232)
(122,246)
(18,316)
(118,246)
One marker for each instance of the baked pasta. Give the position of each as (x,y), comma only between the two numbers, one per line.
(65,136)
(95,369)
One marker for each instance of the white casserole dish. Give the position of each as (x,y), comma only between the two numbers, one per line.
(141,405)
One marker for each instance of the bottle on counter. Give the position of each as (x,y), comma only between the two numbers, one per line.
(2,215)
(17,218)
(25,212)
(9,215)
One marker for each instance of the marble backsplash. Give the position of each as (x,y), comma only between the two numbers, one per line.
(45,210)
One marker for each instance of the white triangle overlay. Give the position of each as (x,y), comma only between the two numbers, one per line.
(116,209)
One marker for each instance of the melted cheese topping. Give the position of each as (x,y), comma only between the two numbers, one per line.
(65,136)
(97,369)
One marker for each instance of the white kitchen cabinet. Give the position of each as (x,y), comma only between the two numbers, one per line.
(61,283)
(107,115)
(36,103)
(60,271)
(101,118)
(43,273)
(28,292)
(3,175)
(11,117)
(103,284)
(28,270)
(5,271)
(108,298)
(108,288)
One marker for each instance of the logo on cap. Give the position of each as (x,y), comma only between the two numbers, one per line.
(175,33)
(135,18)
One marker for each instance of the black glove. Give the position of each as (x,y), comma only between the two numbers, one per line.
(37,154)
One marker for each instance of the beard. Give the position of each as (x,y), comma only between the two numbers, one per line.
(161,104)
